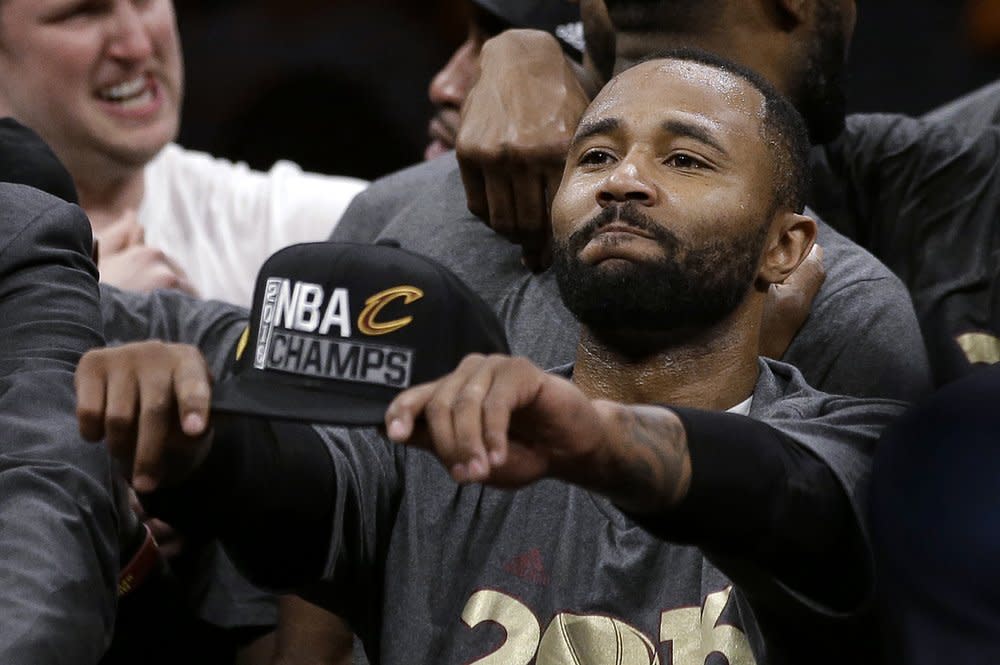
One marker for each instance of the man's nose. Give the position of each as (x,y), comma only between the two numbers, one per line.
(626,182)
(130,38)
(450,86)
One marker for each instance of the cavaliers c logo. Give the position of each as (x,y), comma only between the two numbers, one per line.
(373,306)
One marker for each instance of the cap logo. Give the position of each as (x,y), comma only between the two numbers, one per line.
(241,345)
(303,330)
(373,306)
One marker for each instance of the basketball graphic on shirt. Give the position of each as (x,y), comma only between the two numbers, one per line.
(573,639)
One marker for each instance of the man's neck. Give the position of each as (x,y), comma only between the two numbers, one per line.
(714,371)
(106,201)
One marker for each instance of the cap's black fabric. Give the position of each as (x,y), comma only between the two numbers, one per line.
(337,330)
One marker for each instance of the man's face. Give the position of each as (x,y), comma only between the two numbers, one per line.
(665,201)
(451,85)
(98,79)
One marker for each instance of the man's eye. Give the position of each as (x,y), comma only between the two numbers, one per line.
(596,158)
(81,9)
(684,161)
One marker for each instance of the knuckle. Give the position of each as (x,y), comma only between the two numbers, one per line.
(470,395)
(471,360)
(438,408)
(117,423)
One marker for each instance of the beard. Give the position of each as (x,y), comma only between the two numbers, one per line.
(821,97)
(636,307)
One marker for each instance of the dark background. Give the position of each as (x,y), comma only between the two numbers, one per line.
(340,86)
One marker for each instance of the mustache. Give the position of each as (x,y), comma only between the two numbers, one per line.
(628,213)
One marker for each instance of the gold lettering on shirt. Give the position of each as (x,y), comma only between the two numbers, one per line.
(980,347)
(521,626)
(690,634)
(696,634)
(594,640)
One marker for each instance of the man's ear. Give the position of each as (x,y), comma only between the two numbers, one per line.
(791,237)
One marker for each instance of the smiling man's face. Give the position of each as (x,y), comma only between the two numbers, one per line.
(666,200)
(100,80)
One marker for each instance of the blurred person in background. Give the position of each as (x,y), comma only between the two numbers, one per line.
(488,18)
(102,83)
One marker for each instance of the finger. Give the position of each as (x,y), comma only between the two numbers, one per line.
(809,276)
(439,414)
(500,201)
(468,420)
(119,415)
(192,390)
(156,409)
(475,188)
(529,203)
(405,411)
(510,390)
(114,238)
(136,234)
(91,387)
(553,178)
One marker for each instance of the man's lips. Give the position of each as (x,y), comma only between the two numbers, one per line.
(442,135)
(443,127)
(621,227)
(619,240)
(136,98)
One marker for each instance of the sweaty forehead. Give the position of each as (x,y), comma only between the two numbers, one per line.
(660,87)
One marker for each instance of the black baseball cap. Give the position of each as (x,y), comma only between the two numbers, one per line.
(337,330)
(559,17)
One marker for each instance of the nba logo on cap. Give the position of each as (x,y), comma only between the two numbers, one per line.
(338,329)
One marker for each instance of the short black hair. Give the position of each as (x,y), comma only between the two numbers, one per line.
(782,127)
(660,15)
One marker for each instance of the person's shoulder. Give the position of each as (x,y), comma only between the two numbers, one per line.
(846,261)
(416,177)
(29,214)
(782,392)
(429,193)
(396,190)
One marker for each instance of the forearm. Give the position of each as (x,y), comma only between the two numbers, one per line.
(736,488)
(268,501)
(173,316)
(645,466)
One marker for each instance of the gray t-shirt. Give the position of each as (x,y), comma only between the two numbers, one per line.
(428,571)
(861,338)
(925,198)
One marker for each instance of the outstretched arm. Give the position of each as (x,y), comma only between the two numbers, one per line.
(58,526)
(275,494)
(683,473)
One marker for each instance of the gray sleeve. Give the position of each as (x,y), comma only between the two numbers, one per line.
(368,488)
(925,198)
(58,525)
(970,113)
(864,340)
(902,182)
(862,337)
(213,326)
(375,208)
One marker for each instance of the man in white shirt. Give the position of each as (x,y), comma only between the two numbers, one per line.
(102,83)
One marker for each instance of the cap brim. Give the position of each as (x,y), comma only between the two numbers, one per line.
(255,396)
